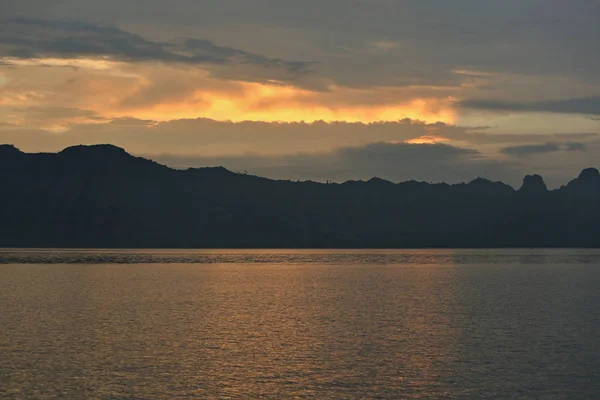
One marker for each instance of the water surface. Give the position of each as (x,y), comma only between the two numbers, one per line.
(300,324)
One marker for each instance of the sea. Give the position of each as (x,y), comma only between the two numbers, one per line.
(300,324)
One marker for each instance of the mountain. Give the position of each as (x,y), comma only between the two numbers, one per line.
(100,196)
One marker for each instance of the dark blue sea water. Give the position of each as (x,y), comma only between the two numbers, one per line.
(410,324)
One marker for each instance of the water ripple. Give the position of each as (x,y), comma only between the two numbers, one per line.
(418,257)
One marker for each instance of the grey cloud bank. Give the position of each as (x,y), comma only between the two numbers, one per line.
(431,37)
(585,105)
(527,150)
(36,38)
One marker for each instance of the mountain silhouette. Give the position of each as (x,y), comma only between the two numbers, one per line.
(100,196)
(533,184)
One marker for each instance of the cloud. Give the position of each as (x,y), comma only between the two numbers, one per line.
(573,146)
(528,150)
(580,136)
(584,105)
(166,91)
(53,118)
(25,38)
(480,137)
(140,76)
(204,49)
(433,53)
(432,38)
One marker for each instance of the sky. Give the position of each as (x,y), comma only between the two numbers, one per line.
(431,90)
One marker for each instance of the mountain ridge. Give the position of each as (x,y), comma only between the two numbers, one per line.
(101,196)
(115,151)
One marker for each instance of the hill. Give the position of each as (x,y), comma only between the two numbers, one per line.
(100,196)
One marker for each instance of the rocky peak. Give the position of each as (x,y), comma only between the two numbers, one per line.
(590,175)
(533,184)
(103,154)
(9,149)
(480,182)
(106,150)
(588,180)
(9,153)
(378,181)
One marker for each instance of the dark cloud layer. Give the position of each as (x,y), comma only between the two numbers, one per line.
(528,150)
(34,38)
(584,105)
(432,37)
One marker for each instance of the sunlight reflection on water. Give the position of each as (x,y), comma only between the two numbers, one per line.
(299,324)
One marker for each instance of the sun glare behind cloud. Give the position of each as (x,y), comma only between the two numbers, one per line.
(427,139)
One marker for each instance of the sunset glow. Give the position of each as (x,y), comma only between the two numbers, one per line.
(116,90)
(274,104)
(276,85)
(427,139)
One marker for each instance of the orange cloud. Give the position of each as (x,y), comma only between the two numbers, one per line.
(272,103)
(161,93)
